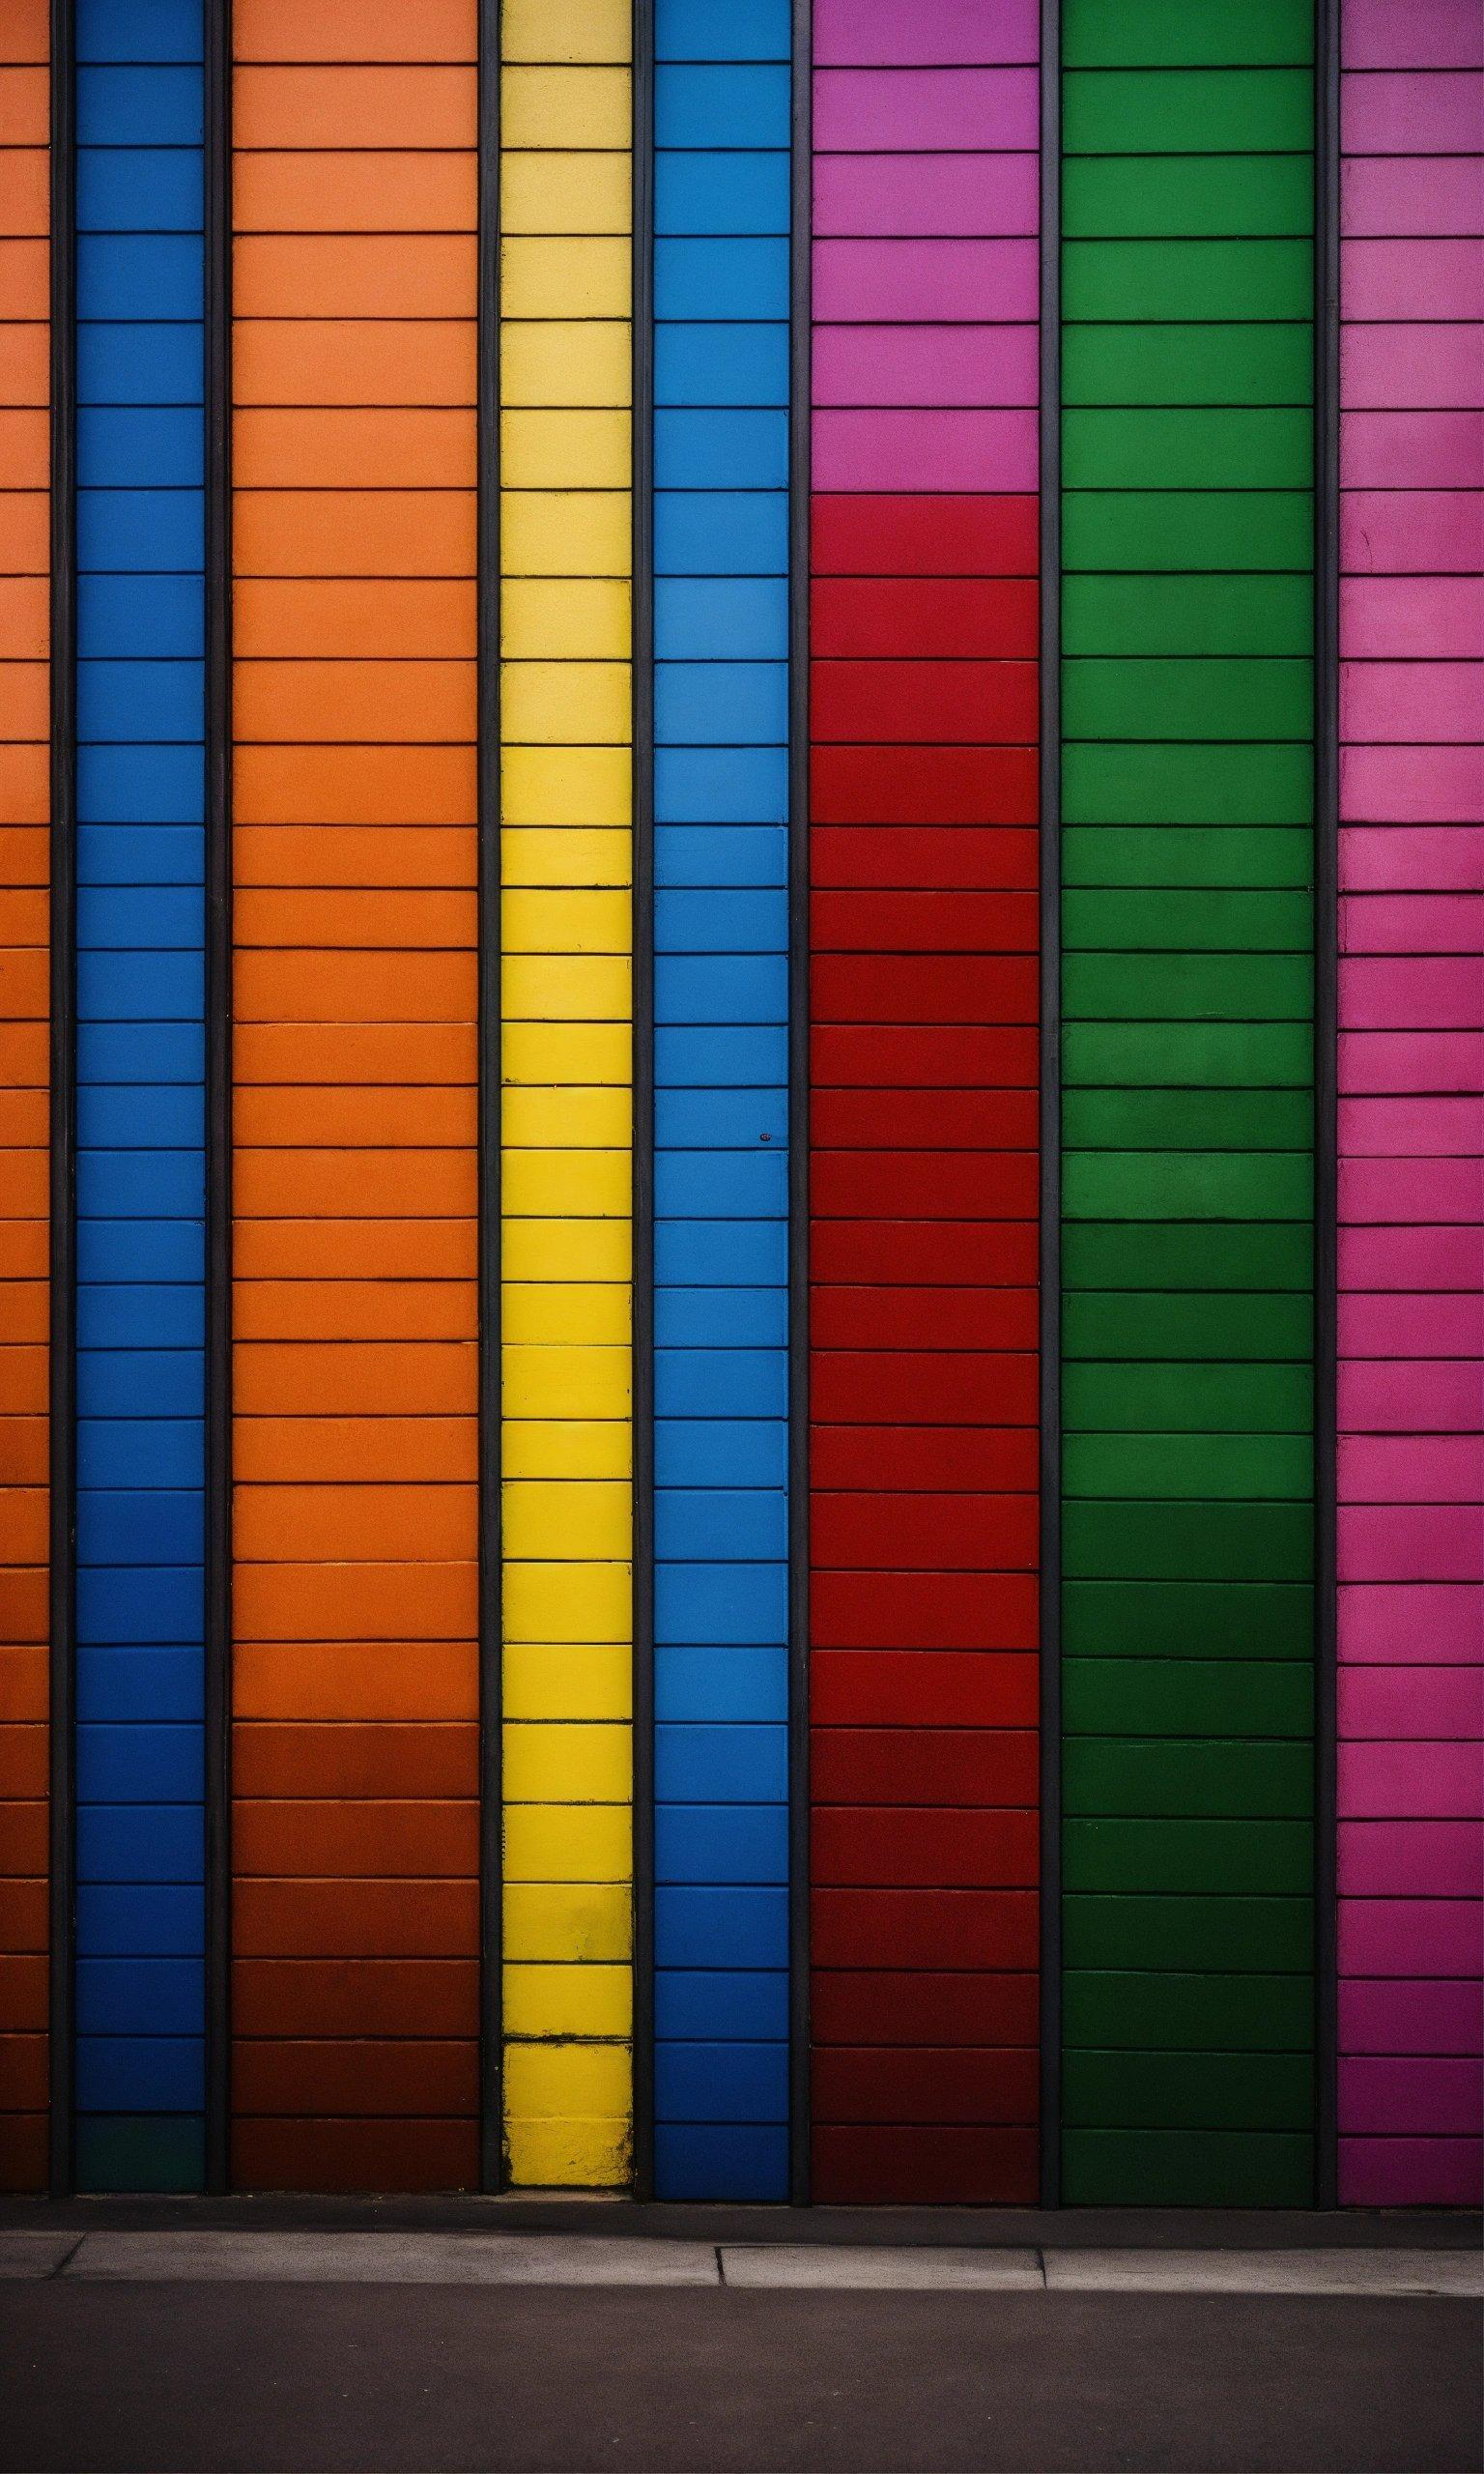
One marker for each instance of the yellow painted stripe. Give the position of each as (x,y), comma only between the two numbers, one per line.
(566,945)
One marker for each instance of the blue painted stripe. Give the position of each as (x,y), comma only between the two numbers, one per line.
(140,1748)
(721,982)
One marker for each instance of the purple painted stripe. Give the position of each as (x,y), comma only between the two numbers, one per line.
(959,282)
(1412,280)
(941,111)
(901,195)
(1410,2172)
(1412,112)
(1410,1858)
(929,32)
(1392,368)
(1381,1259)
(925,450)
(1426,2016)
(1390,194)
(1411,34)
(1386,1624)
(1384,617)
(940,366)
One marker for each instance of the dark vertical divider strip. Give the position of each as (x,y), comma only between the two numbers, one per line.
(1050,1102)
(1326,786)
(800,392)
(642,842)
(64,1133)
(218,1087)
(491,1595)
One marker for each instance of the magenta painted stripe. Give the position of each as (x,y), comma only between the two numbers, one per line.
(1441,994)
(1426,703)
(1428,1858)
(1385,1626)
(927,365)
(1408,451)
(1400,1129)
(1402,1781)
(949,33)
(1383,1061)
(1412,784)
(1382,1469)
(1433,2093)
(1424,278)
(966,282)
(1444,1326)
(1410,1396)
(1408,1936)
(991,452)
(1408,1258)
(1409,925)
(929,194)
(1412,2172)
(1434,533)
(1381,1704)
(1398,369)
(1413,111)
(1432,2017)
(943,111)
(1408,34)
(1422,1395)
(1389,618)
(1385,196)
(1406,1189)
(1410,1542)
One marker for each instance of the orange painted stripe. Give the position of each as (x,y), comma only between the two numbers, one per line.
(354,1187)
(24,1097)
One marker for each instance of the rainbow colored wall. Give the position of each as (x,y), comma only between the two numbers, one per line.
(740,1046)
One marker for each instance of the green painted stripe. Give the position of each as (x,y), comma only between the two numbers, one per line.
(1187,1170)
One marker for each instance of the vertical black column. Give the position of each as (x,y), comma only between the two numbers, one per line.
(488,980)
(643,844)
(800,393)
(62,1424)
(1327,792)
(1050,1335)
(218,1087)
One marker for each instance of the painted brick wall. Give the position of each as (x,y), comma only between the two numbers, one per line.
(1188,1186)
(721,719)
(140,1989)
(1411,1525)
(356,1746)
(566,726)
(923,1126)
(25,1006)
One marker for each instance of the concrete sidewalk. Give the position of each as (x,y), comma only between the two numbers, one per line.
(184,2255)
